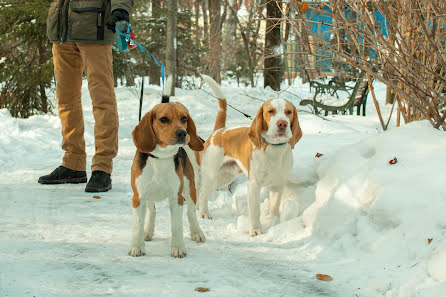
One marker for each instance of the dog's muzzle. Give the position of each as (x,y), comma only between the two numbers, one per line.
(181,136)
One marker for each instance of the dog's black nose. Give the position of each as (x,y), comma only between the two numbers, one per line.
(181,135)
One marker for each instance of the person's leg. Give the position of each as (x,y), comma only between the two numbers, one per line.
(68,72)
(97,59)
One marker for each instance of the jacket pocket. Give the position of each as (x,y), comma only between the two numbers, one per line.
(52,22)
(86,19)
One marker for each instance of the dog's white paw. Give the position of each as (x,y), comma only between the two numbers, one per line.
(205,215)
(198,237)
(272,214)
(148,236)
(255,232)
(273,219)
(178,252)
(137,251)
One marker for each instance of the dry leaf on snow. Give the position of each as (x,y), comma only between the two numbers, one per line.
(324,277)
(393,161)
(318,155)
(202,289)
(429,240)
(97,197)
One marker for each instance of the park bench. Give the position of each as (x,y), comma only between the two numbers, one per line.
(331,88)
(357,97)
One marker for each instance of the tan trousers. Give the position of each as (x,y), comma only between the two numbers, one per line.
(70,61)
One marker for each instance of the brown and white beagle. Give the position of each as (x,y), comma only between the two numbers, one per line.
(263,152)
(165,139)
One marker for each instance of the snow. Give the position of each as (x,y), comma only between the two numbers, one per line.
(377,228)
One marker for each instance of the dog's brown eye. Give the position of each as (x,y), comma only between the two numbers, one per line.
(164,120)
(271,111)
(288,112)
(184,119)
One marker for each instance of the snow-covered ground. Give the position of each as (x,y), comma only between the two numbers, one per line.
(378,229)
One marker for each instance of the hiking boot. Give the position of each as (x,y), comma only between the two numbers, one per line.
(64,175)
(100,181)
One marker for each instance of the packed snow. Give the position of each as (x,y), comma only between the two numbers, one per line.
(369,211)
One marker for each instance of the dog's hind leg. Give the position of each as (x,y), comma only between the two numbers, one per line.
(211,162)
(149,229)
(196,233)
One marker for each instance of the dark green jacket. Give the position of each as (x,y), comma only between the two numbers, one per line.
(83,20)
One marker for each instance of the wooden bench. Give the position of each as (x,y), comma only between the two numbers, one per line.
(331,88)
(357,97)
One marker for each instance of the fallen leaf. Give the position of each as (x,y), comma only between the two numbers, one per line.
(97,197)
(303,7)
(202,289)
(393,161)
(429,240)
(318,155)
(324,277)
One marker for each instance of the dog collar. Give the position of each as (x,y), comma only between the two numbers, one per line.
(275,144)
(152,156)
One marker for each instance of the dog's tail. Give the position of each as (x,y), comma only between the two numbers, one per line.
(167,88)
(220,121)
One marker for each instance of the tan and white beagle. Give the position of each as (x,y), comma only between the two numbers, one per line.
(165,139)
(262,152)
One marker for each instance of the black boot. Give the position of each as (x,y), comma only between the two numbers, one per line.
(100,181)
(64,175)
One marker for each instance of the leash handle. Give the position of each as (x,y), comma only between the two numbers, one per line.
(128,37)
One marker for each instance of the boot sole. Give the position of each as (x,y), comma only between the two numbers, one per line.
(77,180)
(96,190)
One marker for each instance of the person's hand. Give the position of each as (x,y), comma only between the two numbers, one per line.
(119,18)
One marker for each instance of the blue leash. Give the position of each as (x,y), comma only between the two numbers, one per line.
(129,37)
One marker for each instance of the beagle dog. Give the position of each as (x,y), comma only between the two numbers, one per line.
(165,139)
(263,152)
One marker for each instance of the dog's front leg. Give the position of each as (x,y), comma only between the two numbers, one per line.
(149,229)
(137,248)
(275,196)
(255,227)
(176,225)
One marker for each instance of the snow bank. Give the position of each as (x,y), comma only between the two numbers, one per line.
(25,141)
(388,214)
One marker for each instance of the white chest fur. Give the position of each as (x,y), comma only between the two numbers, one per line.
(158,180)
(270,167)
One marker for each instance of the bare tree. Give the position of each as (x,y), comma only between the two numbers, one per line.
(171,41)
(409,59)
(215,39)
(155,36)
(273,66)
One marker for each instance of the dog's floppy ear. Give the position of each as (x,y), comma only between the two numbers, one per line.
(143,135)
(195,143)
(295,129)
(255,132)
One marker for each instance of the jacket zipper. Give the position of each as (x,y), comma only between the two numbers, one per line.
(66,21)
(59,20)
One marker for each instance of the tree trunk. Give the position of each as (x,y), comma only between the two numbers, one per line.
(154,69)
(42,59)
(215,39)
(171,42)
(229,34)
(198,32)
(273,68)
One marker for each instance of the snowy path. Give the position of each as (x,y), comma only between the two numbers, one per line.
(68,244)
